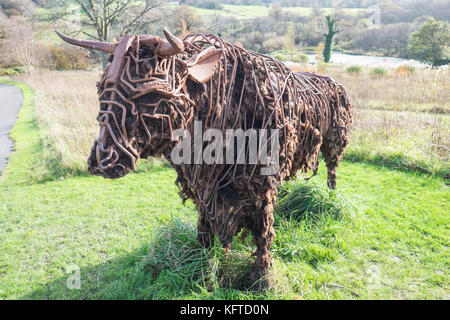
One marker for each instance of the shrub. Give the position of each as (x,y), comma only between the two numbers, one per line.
(378,72)
(273,43)
(20,70)
(12,70)
(15,7)
(280,57)
(301,58)
(12,54)
(66,58)
(300,199)
(353,69)
(429,44)
(405,70)
(322,66)
(8,72)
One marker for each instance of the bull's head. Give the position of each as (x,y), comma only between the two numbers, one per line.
(143,97)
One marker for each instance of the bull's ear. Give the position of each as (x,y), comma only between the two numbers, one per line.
(201,66)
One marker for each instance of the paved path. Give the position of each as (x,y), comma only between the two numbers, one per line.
(10,102)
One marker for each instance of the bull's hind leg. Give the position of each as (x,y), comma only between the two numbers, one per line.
(263,234)
(332,148)
(336,139)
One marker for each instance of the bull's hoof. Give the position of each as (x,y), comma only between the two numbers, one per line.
(205,239)
(260,274)
(332,184)
(260,280)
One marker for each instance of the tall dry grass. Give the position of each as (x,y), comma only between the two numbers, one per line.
(401,139)
(426,90)
(403,88)
(66,107)
(400,121)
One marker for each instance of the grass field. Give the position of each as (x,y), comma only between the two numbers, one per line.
(383,234)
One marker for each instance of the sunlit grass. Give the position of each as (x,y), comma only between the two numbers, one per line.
(382,234)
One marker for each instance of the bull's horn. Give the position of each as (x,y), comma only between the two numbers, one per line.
(168,47)
(176,43)
(94,45)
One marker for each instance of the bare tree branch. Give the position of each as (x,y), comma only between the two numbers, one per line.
(103,18)
(102,15)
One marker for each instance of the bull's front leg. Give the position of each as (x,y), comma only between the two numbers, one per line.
(205,235)
(263,234)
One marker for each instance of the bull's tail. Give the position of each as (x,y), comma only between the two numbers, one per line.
(336,138)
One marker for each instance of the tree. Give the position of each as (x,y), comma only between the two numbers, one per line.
(312,28)
(329,38)
(3,27)
(185,20)
(276,12)
(16,7)
(12,54)
(124,15)
(289,44)
(431,43)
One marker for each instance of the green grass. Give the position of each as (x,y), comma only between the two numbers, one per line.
(27,143)
(382,234)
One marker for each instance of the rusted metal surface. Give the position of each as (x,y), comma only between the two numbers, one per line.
(146,93)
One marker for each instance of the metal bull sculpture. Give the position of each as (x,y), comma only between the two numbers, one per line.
(154,86)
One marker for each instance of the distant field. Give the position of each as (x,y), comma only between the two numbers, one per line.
(238,11)
(244,12)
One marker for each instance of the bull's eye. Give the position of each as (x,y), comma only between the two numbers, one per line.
(101,118)
(147,67)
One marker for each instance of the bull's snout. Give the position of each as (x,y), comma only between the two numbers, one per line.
(105,162)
